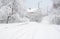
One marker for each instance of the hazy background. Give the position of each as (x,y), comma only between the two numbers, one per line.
(34,3)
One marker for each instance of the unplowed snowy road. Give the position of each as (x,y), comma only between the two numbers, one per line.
(29,31)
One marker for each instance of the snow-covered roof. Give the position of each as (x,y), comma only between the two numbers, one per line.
(31,10)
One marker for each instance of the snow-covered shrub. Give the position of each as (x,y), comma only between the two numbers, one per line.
(16,18)
(55,20)
(55,16)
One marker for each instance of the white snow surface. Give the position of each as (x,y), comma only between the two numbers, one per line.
(29,30)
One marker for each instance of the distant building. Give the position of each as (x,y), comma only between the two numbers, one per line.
(31,9)
(34,15)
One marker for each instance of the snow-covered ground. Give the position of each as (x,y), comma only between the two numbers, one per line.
(30,30)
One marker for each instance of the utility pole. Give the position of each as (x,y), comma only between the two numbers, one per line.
(47,11)
(39,5)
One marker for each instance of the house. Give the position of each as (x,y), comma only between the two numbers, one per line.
(34,15)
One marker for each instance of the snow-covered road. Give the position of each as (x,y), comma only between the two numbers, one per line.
(29,31)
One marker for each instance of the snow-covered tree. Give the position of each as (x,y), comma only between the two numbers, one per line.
(55,15)
(13,10)
(56,4)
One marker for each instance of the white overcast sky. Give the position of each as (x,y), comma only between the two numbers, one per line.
(34,3)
